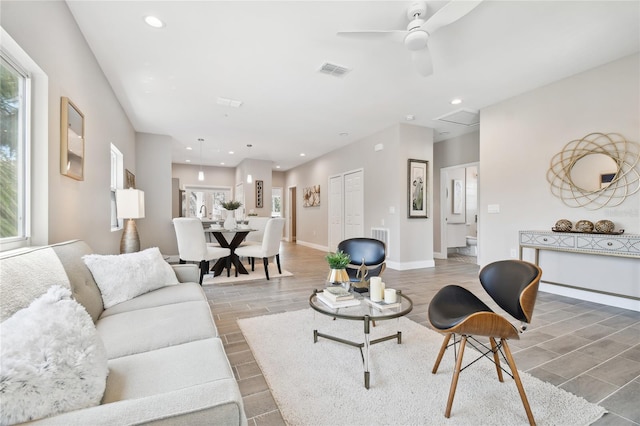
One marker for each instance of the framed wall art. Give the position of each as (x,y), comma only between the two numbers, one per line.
(417,189)
(259,194)
(311,196)
(129,179)
(71,140)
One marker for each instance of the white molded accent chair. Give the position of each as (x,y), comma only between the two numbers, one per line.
(270,246)
(259,223)
(192,246)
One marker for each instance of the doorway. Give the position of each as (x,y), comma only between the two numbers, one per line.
(459,210)
(292,214)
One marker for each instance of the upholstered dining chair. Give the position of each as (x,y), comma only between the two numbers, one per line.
(368,257)
(455,311)
(270,246)
(192,246)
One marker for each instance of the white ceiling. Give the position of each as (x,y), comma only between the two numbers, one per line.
(267,55)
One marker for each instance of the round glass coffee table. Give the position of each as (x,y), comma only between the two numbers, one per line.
(368,314)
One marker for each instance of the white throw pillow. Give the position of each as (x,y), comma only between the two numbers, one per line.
(51,359)
(125,276)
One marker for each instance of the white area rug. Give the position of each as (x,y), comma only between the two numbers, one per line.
(323,383)
(258,274)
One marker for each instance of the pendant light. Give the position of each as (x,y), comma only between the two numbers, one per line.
(249,177)
(200,173)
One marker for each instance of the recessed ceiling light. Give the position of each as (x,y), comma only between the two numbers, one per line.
(343,134)
(410,117)
(456,101)
(231,152)
(302,154)
(187,161)
(277,167)
(222,163)
(189,148)
(154,22)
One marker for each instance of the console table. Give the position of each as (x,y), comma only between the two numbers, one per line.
(619,245)
(599,244)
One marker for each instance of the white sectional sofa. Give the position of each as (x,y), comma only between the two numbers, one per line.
(166,363)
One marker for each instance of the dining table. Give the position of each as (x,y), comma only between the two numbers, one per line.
(231,239)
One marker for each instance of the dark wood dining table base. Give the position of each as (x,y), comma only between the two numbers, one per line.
(221,264)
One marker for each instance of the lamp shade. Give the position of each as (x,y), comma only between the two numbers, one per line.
(130,203)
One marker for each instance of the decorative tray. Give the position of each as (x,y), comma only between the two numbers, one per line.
(618,232)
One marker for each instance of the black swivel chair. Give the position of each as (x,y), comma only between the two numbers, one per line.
(367,260)
(454,310)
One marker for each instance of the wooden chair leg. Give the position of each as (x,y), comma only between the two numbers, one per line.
(278,262)
(516,377)
(265,260)
(496,357)
(456,375)
(445,342)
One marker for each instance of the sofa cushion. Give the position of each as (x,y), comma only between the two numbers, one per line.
(155,328)
(52,360)
(186,292)
(189,364)
(125,276)
(83,286)
(26,275)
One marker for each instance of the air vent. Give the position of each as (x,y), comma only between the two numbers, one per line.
(333,69)
(463,117)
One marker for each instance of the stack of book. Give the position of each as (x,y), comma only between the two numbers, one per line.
(382,305)
(337,297)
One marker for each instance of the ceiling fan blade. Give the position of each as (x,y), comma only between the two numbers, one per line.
(393,34)
(422,61)
(449,13)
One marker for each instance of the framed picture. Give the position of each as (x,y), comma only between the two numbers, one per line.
(71,140)
(259,194)
(457,196)
(311,196)
(129,179)
(417,189)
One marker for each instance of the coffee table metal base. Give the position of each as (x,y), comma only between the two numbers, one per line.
(367,343)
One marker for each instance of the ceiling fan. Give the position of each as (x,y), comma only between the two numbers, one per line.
(416,36)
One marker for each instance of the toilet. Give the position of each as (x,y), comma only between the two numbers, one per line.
(472,246)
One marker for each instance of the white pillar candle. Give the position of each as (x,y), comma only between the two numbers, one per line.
(390,296)
(375,289)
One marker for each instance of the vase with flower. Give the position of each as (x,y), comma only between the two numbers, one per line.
(230,220)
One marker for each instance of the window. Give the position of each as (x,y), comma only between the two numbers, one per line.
(14,151)
(276,202)
(117,173)
(205,201)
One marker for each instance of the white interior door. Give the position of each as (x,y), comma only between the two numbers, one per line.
(353,204)
(335,211)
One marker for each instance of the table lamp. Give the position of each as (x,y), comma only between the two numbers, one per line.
(130,205)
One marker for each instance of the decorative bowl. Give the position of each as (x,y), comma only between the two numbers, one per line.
(584,226)
(605,226)
(563,225)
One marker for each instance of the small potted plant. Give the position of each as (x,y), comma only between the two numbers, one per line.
(230,207)
(338,262)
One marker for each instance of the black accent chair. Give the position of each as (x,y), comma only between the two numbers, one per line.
(455,311)
(368,257)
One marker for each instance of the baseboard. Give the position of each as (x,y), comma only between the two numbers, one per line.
(313,246)
(405,266)
(589,296)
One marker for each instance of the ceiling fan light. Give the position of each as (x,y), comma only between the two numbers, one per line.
(416,40)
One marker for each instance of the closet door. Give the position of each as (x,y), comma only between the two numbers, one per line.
(353,204)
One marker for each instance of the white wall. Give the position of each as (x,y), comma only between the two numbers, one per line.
(76,209)
(518,138)
(154,178)
(385,197)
